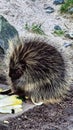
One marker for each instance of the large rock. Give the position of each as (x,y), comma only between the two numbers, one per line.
(7,31)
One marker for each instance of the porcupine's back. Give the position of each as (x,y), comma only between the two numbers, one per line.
(38,68)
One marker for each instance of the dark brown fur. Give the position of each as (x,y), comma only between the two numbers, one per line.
(37,69)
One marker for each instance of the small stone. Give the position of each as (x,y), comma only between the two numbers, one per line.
(70,10)
(56,2)
(67,44)
(19,119)
(33,0)
(57,27)
(6,122)
(58,31)
(70,35)
(49,9)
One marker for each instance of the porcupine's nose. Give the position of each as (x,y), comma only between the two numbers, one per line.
(15,74)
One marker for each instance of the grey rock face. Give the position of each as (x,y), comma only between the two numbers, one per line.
(7,32)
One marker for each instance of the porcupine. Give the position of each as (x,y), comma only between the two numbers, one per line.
(38,69)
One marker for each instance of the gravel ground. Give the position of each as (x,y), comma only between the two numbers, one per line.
(18,13)
(46,117)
